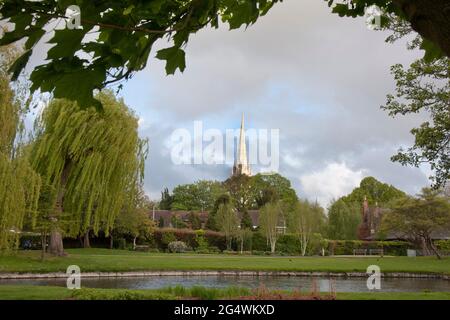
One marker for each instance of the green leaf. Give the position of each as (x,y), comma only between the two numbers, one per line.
(175,59)
(19,65)
(67,43)
(128,10)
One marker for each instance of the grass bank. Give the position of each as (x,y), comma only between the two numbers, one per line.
(60,293)
(106,260)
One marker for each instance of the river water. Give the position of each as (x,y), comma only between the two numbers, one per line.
(271,282)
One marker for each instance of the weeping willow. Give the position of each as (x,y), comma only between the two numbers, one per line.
(94,159)
(19,183)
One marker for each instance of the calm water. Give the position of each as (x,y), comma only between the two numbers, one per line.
(271,282)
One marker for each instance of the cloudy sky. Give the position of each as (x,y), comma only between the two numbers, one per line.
(318,78)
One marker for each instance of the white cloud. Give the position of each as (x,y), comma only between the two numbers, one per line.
(334,181)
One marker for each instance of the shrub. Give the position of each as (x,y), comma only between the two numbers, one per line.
(188,236)
(201,242)
(166,239)
(346,247)
(288,244)
(177,247)
(443,245)
(120,243)
(259,242)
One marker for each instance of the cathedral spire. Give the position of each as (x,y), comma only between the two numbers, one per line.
(241,165)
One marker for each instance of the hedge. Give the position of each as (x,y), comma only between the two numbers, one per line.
(346,247)
(188,236)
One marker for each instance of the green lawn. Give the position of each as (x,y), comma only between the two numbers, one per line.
(123,260)
(59,293)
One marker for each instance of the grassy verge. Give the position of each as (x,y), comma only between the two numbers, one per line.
(59,293)
(123,260)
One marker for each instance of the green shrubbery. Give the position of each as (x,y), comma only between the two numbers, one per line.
(346,247)
(204,242)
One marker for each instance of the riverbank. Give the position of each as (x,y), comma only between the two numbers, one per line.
(8,292)
(114,261)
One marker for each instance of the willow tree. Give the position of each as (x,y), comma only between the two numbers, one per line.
(93,159)
(19,184)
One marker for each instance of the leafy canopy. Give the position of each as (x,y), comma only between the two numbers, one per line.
(93,159)
(115,38)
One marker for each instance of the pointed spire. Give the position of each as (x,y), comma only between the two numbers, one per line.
(241,165)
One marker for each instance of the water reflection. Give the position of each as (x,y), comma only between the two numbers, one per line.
(271,282)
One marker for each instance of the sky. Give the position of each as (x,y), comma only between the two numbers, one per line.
(317,78)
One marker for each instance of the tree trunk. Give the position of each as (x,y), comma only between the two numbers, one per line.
(134,243)
(86,243)
(56,246)
(273,243)
(56,243)
(433,248)
(43,244)
(111,241)
(431,19)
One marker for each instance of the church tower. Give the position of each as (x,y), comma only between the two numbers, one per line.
(241,165)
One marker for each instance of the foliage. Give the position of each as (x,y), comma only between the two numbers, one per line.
(199,196)
(177,247)
(273,187)
(425,87)
(343,220)
(240,190)
(305,220)
(194,221)
(246,221)
(134,223)
(270,217)
(162,238)
(166,238)
(346,247)
(374,191)
(228,222)
(125,33)
(19,183)
(166,200)
(417,218)
(200,240)
(95,160)
(177,222)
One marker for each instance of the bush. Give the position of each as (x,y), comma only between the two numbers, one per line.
(120,243)
(288,244)
(259,242)
(346,247)
(177,247)
(443,245)
(188,236)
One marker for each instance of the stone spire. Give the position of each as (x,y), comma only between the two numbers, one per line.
(241,165)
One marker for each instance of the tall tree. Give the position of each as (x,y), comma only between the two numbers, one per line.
(425,87)
(305,220)
(241,191)
(269,188)
(166,200)
(228,222)
(19,184)
(418,218)
(94,160)
(198,196)
(269,219)
(343,220)
(375,192)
